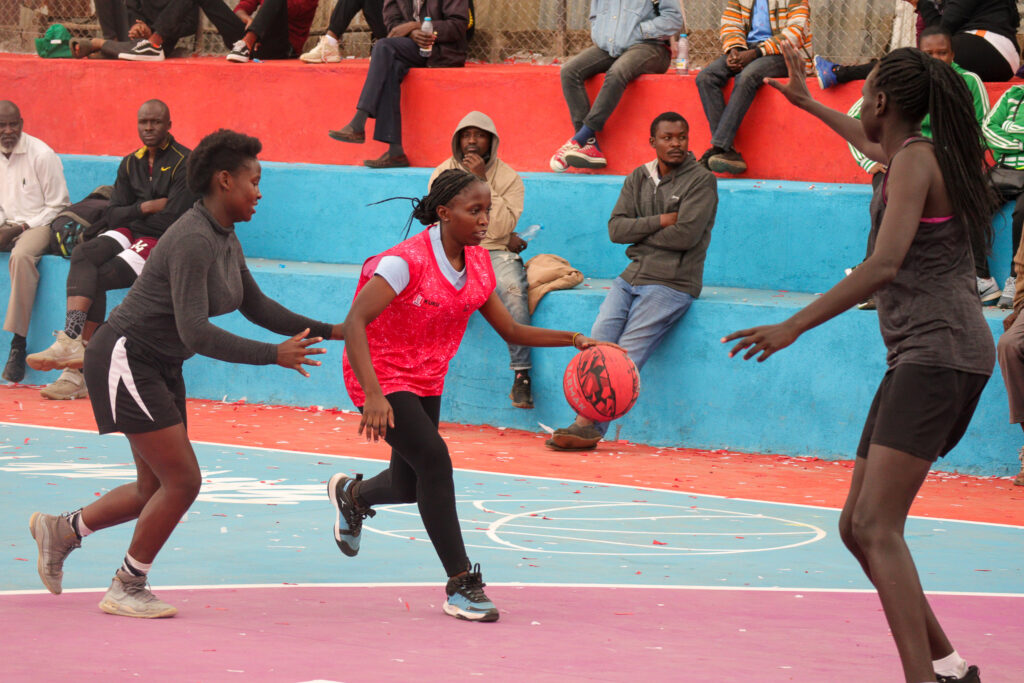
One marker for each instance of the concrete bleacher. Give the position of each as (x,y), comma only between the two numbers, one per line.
(774,246)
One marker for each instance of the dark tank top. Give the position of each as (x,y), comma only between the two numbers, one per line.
(930,313)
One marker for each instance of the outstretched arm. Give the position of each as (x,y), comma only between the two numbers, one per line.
(269,314)
(797,93)
(908,190)
(495,313)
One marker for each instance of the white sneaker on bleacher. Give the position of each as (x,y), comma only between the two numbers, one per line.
(323,52)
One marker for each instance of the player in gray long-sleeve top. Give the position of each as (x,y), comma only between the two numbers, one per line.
(133,368)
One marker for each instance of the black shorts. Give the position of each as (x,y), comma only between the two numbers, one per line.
(921,410)
(149,392)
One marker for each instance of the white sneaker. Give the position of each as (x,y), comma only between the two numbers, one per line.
(988,289)
(63,353)
(323,52)
(69,386)
(1009,292)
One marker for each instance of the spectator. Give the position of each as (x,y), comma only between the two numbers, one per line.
(936,42)
(665,212)
(390,61)
(984,33)
(475,149)
(125,22)
(280,28)
(1011,358)
(150,193)
(752,32)
(329,47)
(1004,132)
(631,38)
(32,193)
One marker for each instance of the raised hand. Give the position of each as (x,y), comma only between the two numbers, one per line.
(294,353)
(795,90)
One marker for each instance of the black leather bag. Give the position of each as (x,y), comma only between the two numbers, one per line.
(1007,182)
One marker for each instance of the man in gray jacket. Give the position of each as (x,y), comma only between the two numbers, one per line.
(665,214)
(631,38)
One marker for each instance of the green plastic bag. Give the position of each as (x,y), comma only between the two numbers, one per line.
(55,43)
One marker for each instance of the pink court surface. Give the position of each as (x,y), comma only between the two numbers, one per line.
(627,561)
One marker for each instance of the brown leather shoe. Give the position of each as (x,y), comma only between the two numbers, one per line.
(346,134)
(385,160)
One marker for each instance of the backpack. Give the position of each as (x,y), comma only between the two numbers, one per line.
(55,43)
(80,222)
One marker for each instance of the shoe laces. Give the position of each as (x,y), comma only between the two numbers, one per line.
(354,513)
(138,588)
(471,585)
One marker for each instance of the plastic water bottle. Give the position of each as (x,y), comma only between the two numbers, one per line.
(428,28)
(682,63)
(530,232)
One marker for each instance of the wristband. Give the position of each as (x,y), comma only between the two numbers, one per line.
(572,341)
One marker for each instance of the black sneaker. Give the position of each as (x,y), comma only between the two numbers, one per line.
(972,676)
(14,371)
(712,151)
(143,51)
(521,395)
(348,527)
(730,161)
(466,598)
(239,53)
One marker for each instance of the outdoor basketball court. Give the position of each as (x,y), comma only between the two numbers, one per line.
(596,579)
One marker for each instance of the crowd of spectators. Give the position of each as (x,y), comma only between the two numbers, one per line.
(666,204)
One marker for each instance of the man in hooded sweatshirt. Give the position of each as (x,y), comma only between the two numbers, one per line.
(475,149)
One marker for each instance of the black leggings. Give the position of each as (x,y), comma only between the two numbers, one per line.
(95,269)
(421,472)
(345,11)
(976,54)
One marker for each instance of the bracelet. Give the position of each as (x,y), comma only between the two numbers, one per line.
(572,342)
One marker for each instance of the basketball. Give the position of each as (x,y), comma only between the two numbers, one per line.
(601,383)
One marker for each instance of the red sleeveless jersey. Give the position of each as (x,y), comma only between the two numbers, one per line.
(417,334)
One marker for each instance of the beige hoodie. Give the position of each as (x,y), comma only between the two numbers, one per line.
(506,186)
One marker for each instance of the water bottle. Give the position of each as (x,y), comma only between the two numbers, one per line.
(682,63)
(530,232)
(428,28)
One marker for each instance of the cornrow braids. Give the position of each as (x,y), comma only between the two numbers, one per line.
(442,190)
(919,85)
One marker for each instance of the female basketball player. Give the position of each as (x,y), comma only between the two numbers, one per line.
(410,312)
(133,368)
(935,200)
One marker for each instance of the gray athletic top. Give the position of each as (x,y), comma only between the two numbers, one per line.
(196,271)
(930,313)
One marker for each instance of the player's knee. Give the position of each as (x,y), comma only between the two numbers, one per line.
(867,531)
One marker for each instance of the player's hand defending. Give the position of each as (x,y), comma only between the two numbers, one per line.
(795,89)
(377,417)
(294,353)
(766,340)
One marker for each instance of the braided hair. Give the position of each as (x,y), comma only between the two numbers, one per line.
(919,85)
(444,188)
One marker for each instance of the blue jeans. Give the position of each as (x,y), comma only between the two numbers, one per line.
(725,119)
(637,318)
(511,289)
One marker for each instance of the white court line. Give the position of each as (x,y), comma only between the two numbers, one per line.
(520,584)
(519,474)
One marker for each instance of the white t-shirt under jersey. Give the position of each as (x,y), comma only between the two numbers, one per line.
(395,270)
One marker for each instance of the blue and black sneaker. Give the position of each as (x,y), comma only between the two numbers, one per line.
(466,598)
(825,70)
(350,516)
(972,676)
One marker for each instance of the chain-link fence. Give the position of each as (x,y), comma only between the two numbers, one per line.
(537,31)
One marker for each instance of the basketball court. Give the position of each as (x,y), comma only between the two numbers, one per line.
(626,561)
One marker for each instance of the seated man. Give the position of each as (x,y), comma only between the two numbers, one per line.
(665,212)
(390,61)
(631,38)
(123,23)
(328,50)
(280,28)
(1011,358)
(1004,132)
(475,149)
(150,193)
(32,193)
(752,32)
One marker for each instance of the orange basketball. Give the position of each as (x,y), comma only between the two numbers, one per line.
(601,383)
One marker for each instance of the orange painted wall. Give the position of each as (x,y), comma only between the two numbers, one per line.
(88,107)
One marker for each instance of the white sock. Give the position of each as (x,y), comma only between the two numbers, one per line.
(331,40)
(133,566)
(78,524)
(950,665)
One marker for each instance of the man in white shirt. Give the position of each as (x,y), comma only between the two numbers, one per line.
(32,193)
